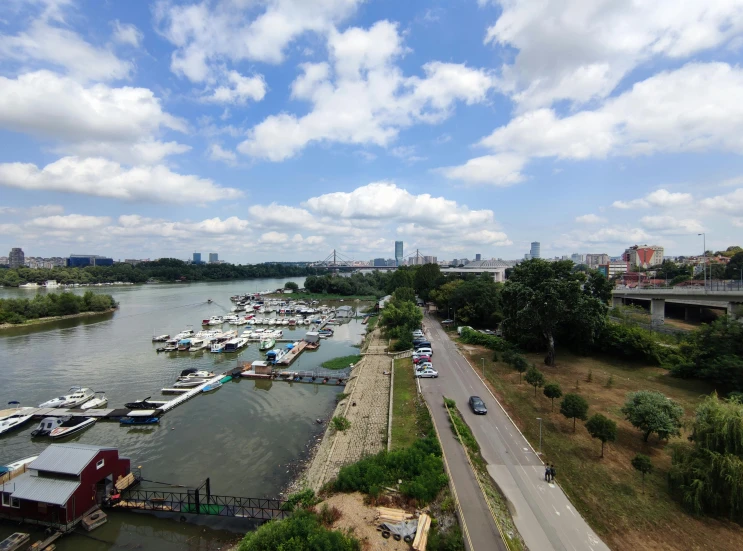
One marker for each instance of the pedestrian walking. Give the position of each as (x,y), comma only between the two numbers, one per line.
(552,473)
(547,473)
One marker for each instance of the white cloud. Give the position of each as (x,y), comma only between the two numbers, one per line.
(406,153)
(44,44)
(659,198)
(579,51)
(672,225)
(498,170)
(217,153)
(589,219)
(738,222)
(126,33)
(362,97)
(104,178)
(730,203)
(70,222)
(272,238)
(239,90)
(146,151)
(208,33)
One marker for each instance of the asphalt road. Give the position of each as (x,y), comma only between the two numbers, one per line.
(542,513)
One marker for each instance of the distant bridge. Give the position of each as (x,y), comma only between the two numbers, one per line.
(727,297)
(336,260)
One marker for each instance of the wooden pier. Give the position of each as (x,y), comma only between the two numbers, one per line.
(293,354)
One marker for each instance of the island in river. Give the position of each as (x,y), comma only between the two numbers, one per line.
(53,307)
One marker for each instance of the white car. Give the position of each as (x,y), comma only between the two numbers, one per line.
(417,334)
(424,365)
(428,372)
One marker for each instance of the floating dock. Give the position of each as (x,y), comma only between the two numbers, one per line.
(293,354)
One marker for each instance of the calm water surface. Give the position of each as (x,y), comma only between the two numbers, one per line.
(245,437)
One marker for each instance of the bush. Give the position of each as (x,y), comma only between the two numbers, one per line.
(340,423)
(470,336)
(631,343)
(305,499)
(329,515)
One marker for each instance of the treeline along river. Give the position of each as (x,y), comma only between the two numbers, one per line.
(247,436)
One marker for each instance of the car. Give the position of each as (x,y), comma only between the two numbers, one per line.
(477,405)
(426,351)
(422,358)
(428,372)
(421,344)
(422,366)
(447,322)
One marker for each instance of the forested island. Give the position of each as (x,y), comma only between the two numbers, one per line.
(16,311)
(163,270)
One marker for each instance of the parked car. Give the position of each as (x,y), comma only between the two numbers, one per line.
(447,322)
(425,365)
(418,333)
(421,343)
(428,372)
(421,358)
(477,405)
(426,351)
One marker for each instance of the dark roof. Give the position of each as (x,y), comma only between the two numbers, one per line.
(66,458)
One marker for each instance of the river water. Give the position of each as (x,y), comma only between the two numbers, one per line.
(246,437)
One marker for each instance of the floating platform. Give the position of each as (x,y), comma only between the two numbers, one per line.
(293,354)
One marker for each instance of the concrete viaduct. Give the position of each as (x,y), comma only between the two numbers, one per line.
(691,299)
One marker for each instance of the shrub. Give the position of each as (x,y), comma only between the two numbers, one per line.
(340,423)
(305,499)
(470,336)
(329,515)
(574,406)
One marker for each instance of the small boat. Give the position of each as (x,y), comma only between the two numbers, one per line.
(209,301)
(77,397)
(233,345)
(306,321)
(212,386)
(10,467)
(98,401)
(292,322)
(71,426)
(216,320)
(217,347)
(284,322)
(15,541)
(205,321)
(160,338)
(14,420)
(140,404)
(189,383)
(267,344)
(47,425)
(183,335)
(275,355)
(197,344)
(141,417)
(195,375)
(184,345)
(169,348)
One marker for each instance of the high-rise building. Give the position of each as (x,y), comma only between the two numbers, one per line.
(478,257)
(379,262)
(595,260)
(535,251)
(398,253)
(213,258)
(196,258)
(644,256)
(612,269)
(429,260)
(82,260)
(577,258)
(16,258)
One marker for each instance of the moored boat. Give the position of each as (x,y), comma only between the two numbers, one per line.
(16,418)
(160,338)
(197,344)
(267,344)
(47,425)
(10,467)
(77,397)
(184,345)
(141,417)
(98,401)
(217,347)
(212,386)
(71,426)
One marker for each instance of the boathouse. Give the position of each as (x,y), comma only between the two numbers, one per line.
(344,312)
(59,486)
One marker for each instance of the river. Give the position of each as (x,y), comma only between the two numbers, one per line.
(246,437)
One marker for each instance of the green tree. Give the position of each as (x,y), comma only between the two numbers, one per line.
(603,428)
(427,278)
(535,378)
(544,301)
(403,276)
(403,294)
(399,316)
(642,463)
(598,286)
(732,270)
(552,391)
(574,406)
(653,412)
(291,285)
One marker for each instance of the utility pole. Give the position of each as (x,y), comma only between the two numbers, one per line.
(704,266)
(540,435)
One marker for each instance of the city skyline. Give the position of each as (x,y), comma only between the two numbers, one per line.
(131,130)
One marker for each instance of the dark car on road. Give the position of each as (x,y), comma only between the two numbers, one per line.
(477,405)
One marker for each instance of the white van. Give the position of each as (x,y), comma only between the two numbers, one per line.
(426,351)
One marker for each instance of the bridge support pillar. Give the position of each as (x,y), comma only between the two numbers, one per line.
(617,301)
(734,309)
(657,311)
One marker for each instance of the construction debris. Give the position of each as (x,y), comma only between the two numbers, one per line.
(421,536)
(385,514)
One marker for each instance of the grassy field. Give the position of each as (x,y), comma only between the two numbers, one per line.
(404,405)
(607,491)
(342,362)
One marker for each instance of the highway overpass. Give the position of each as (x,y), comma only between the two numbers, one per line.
(691,298)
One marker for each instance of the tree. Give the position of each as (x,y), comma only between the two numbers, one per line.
(535,378)
(552,391)
(732,270)
(291,285)
(403,294)
(598,286)
(544,301)
(653,412)
(643,464)
(403,276)
(427,278)
(603,428)
(574,406)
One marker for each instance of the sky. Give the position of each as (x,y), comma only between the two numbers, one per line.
(284,129)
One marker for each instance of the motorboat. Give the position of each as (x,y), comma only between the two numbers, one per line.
(71,426)
(77,397)
(217,347)
(292,322)
(15,465)
(212,386)
(160,338)
(139,420)
(47,425)
(240,321)
(285,322)
(306,321)
(186,333)
(233,345)
(272,321)
(184,345)
(197,344)
(276,354)
(267,344)
(189,383)
(17,417)
(142,404)
(216,320)
(230,318)
(98,401)
(195,375)
(170,347)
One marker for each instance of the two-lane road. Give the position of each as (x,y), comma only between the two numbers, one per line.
(542,513)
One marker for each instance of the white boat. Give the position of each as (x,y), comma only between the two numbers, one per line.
(217,347)
(15,465)
(212,386)
(306,321)
(190,383)
(160,338)
(29,286)
(216,320)
(196,375)
(98,401)
(230,318)
(241,321)
(71,426)
(186,333)
(14,418)
(272,321)
(77,397)
(47,425)
(285,322)
(276,354)
(233,345)
(197,344)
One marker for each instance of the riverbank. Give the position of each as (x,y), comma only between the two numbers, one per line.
(41,321)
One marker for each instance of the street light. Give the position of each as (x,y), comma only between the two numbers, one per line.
(483,367)
(540,435)
(704,266)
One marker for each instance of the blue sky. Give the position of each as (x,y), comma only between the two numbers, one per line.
(282,129)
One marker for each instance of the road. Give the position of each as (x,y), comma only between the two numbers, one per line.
(542,513)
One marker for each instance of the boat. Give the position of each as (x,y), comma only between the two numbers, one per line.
(306,321)
(29,286)
(195,374)
(47,425)
(139,420)
(292,322)
(71,426)
(140,404)
(77,397)
(183,335)
(10,467)
(230,318)
(16,418)
(216,320)
(217,347)
(272,321)
(276,354)
(160,338)
(197,344)
(267,344)
(205,321)
(169,348)
(212,386)
(184,345)
(284,322)
(233,345)
(189,383)
(98,401)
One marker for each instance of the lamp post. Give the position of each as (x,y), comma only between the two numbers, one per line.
(483,367)
(704,266)
(740,285)
(540,435)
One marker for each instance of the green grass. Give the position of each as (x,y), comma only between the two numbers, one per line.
(405,404)
(372,323)
(341,363)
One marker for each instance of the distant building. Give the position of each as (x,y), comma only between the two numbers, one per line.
(398,253)
(196,258)
(535,251)
(16,258)
(478,257)
(83,260)
(379,262)
(429,260)
(595,260)
(494,268)
(213,258)
(643,256)
(527,256)
(613,269)
(577,258)
(391,262)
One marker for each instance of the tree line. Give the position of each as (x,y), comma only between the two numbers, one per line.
(19,310)
(164,269)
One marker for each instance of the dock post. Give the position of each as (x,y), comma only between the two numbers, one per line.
(196,500)
(208,490)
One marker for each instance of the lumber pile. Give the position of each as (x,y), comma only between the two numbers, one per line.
(124,482)
(421,535)
(385,514)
